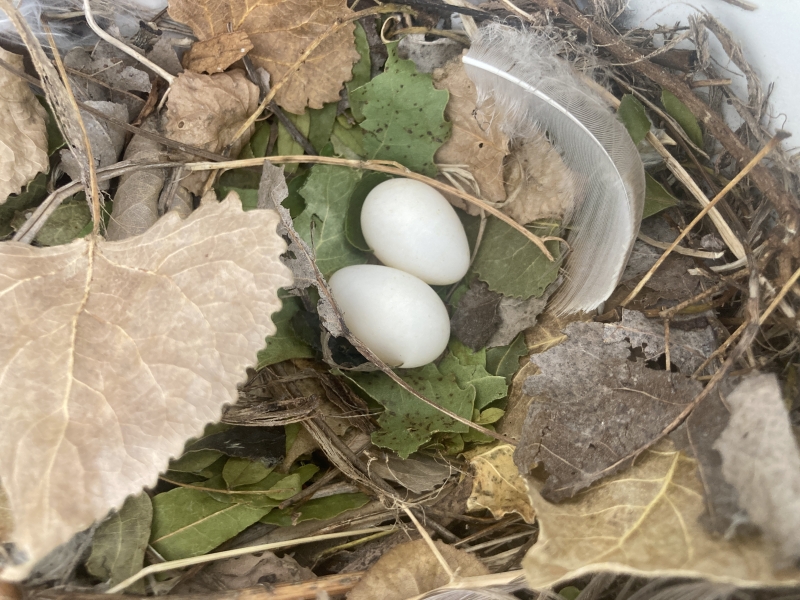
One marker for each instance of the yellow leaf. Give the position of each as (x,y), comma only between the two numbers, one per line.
(643,521)
(498,486)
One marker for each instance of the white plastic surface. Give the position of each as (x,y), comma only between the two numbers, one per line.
(397,316)
(410,226)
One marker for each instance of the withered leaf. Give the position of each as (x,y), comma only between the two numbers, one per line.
(761,460)
(23,130)
(696,438)
(518,314)
(475,139)
(216,54)
(280,32)
(498,486)
(538,183)
(643,521)
(598,405)
(689,345)
(476,317)
(114,353)
(206,111)
(410,569)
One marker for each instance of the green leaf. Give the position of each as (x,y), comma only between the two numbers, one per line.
(352,225)
(34,193)
(188,522)
(408,423)
(468,368)
(631,113)
(318,508)
(65,224)
(240,471)
(260,140)
(361,70)
(656,197)
(120,541)
(403,115)
(327,193)
(286,145)
(504,360)
(321,125)
(284,344)
(513,265)
(348,142)
(489,416)
(272,490)
(681,113)
(248,197)
(195,462)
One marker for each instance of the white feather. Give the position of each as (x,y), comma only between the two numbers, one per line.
(535,91)
(471,594)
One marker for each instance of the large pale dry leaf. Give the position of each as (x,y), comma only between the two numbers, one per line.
(498,486)
(112,354)
(596,406)
(474,141)
(23,130)
(280,31)
(206,111)
(411,569)
(644,521)
(760,459)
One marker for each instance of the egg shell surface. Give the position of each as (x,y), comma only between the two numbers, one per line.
(410,226)
(397,316)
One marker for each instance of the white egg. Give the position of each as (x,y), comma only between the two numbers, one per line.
(397,316)
(410,226)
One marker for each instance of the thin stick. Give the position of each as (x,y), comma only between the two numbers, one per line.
(680,249)
(431,544)
(383,166)
(87,9)
(777,300)
(756,159)
(196,560)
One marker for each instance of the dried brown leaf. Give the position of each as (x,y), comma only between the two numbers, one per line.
(410,569)
(643,521)
(475,140)
(498,486)
(476,317)
(206,111)
(243,572)
(106,141)
(538,183)
(218,53)
(114,353)
(280,31)
(23,130)
(596,407)
(761,460)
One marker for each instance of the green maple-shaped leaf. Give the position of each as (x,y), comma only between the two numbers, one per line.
(408,423)
(469,369)
(403,115)
(322,224)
